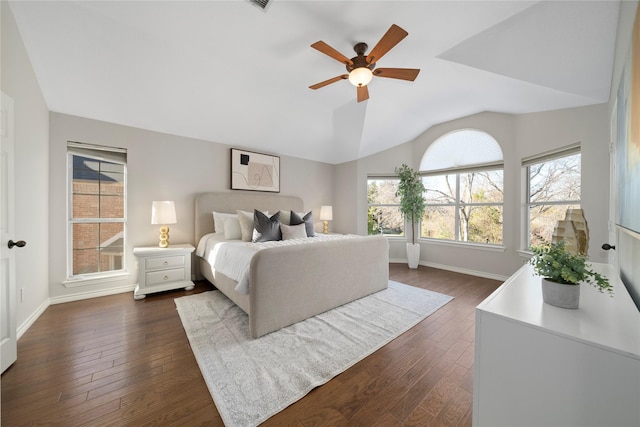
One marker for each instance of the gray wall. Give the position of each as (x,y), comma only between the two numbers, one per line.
(519,136)
(160,167)
(31,139)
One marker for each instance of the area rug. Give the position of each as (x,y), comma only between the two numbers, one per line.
(252,379)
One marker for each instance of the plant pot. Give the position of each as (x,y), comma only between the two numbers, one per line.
(560,295)
(413,254)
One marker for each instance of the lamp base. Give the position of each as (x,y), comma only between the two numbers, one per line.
(164,237)
(325,227)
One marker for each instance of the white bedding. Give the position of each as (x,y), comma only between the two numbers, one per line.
(233,257)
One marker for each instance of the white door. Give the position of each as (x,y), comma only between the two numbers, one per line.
(8,340)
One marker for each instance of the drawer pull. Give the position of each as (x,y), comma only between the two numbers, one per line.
(165,278)
(166,263)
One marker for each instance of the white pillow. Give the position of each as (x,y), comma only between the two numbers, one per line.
(232,229)
(246,224)
(293,231)
(218,221)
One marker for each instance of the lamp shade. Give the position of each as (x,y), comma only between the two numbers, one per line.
(163,212)
(326,213)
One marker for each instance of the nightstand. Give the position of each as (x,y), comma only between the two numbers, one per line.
(162,269)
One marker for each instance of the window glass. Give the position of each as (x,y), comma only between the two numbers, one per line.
(473,200)
(383,214)
(97,202)
(464,192)
(554,187)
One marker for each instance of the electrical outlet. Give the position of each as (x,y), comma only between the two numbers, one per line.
(21,294)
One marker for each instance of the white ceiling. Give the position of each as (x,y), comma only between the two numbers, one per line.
(230,72)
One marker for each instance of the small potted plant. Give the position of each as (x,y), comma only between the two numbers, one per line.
(562,272)
(412,206)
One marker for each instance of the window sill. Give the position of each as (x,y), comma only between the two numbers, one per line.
(481,246)
(95,280)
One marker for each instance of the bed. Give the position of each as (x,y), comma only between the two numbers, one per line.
(292,282)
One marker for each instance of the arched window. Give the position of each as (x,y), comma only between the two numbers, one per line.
(462,172)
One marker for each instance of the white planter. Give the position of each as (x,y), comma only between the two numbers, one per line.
(413,254)
(559,295)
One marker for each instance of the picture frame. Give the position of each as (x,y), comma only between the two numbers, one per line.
(254,171)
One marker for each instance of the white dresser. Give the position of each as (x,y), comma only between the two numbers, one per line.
(539,365)
(162,269)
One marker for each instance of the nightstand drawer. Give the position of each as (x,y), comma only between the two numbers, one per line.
(165,276)
(164,262)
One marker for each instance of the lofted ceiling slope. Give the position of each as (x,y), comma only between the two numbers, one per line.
(230,72)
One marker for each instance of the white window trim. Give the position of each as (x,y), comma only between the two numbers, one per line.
(109,154)
(566,151)
(457,172)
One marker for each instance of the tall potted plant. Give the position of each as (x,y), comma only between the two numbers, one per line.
(412,206)
(562,272)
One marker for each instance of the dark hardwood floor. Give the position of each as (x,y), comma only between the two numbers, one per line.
(115,361)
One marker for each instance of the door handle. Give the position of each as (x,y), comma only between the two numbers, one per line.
(19,243)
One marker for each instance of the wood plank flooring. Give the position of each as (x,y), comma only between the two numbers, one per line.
(113,361)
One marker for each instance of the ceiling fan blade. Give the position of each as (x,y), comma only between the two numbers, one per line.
(328,82)
(328,50)
(392,37)
(363,93)
(397,73)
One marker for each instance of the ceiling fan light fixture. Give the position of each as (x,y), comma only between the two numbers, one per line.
(360,76)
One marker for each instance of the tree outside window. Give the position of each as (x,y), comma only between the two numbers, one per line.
(383,214)
(465,206)
(553,187)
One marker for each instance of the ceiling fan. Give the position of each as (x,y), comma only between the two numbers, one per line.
(361,67)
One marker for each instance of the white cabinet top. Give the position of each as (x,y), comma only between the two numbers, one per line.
(601,320)
(158,251)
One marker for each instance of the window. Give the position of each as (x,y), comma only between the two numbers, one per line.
(553,186)
(383,216)
(96,209)
(463,177)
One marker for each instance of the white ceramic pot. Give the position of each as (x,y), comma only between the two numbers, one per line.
(559,295)
(413,254)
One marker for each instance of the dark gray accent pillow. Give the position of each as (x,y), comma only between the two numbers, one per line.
(307,220)
(266,229)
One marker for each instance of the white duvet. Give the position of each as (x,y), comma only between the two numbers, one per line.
(233,257)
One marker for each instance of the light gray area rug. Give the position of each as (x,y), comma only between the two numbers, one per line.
(252,379)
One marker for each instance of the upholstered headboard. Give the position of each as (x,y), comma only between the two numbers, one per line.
(230,201)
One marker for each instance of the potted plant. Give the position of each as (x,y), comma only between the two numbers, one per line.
(412,206)
(562,272)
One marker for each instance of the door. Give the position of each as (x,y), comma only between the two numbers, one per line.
(613,140)
(8,339)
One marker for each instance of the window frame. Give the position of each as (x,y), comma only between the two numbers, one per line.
(380,177)
(456,205)
(527,162)
(98,153)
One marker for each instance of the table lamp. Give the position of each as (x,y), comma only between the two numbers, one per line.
(163,213)
(326,215)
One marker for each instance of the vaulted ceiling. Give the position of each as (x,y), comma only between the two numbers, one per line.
(231,72)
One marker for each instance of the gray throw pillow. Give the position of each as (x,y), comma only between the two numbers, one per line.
(307,220)
(266,229)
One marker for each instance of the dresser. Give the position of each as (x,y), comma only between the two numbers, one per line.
(163,269)
(540,365)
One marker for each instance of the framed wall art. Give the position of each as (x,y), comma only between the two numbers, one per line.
(628,135)
(254,171)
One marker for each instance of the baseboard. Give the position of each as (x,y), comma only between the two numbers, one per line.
(92,294)
(32,319)
(476,273)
